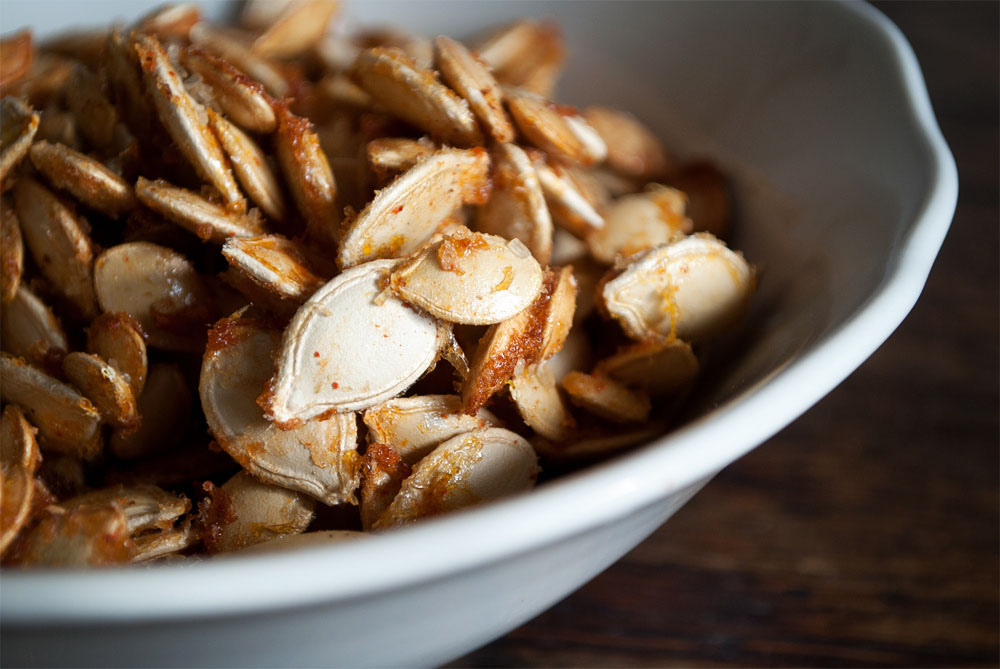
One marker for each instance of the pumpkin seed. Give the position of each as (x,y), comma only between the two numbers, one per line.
(103,385)
(317,458)
(638,222)
(606,398)
(209,221)
(18,125)
(84,178)
(471,278)
(350,319)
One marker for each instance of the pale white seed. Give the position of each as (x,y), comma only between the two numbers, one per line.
(317,458)
(350,347)
(391,156)
(691,289)
(470,278)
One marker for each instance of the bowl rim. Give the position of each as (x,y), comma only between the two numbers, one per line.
(562,508)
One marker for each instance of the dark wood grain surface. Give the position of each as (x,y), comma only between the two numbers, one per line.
(867,532)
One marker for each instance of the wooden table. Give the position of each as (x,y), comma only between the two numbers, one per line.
(866,533)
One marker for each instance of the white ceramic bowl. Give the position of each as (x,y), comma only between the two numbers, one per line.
(846,190)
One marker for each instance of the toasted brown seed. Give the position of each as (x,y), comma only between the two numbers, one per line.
(242,99)
(185,119)
(338,89)
(45,82)
(536,394)
(95,116)
(118,338)
(262,512)
(19,459)
(16,55)
(85,45)
(414,426)
(632,149)
(170,21)
(240,57)
(86,536)
(276,264)
(308,175)
(194,213)
(471,79)
(516,208)
(103,385)
(709,202)
(58,242)
(86,179)
(607,398)
(382,475)
(164,408)
(560,132)
(569,204)
(59,127)
(67,422)
(414,94)
(18,125)
(166,543)
(469,469)
(639,221)
(597,443)
(391,156)
(11,251)
(125,80)
(251,167)
(158,287)
(515,340)
(30,330)
(526,53)
(562,287)
(146,506)
(405,214)
(297,28)
(659,367)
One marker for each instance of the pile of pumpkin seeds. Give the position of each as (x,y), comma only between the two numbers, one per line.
(277,284)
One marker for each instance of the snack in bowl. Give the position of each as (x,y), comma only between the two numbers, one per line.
(306,230)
